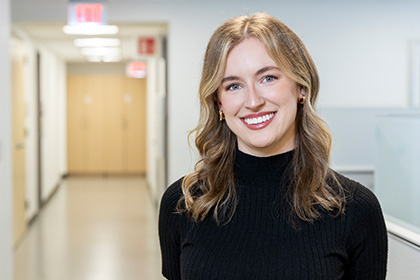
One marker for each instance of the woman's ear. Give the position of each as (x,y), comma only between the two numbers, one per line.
(302,96)
(219,105)
(302,92)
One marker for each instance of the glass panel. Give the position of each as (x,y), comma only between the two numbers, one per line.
(397,168)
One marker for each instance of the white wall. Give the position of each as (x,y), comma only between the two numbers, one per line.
(403,260)
(156,98)
(5,147)
(61,123)
(54,124)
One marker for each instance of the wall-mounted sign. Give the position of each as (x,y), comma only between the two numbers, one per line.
(82,12)
(136,69)
(146,46)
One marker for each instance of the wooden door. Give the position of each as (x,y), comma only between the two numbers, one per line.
(114,124)
(18,122)
(94,140)
(106,124)
(135,125)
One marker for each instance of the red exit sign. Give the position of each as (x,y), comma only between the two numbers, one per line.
(136,69)
(86,13)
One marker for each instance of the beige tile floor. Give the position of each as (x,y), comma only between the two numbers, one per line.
(94,228)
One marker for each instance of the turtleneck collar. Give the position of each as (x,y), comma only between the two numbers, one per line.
(249,168)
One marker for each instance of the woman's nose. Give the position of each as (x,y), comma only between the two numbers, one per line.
(254,98)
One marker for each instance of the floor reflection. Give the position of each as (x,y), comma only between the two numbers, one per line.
(93,228)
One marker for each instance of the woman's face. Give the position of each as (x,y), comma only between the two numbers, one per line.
(258,100)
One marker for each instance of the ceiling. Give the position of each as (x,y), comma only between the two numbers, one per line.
(52,37)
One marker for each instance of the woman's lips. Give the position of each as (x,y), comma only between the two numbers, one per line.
(258,120)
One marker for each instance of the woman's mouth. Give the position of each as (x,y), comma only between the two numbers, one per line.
(259,120)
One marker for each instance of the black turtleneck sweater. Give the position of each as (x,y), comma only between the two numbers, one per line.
(260,243)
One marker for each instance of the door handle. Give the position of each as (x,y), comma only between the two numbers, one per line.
(20,145)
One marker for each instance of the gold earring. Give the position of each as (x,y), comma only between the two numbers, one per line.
(221,115)
(302,99)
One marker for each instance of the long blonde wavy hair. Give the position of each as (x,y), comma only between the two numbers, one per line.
(211,188)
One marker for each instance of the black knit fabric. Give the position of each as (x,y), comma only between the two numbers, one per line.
(260,243)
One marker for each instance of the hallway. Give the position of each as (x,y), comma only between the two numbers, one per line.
(94,228)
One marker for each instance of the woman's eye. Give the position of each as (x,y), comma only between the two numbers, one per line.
(268,79)
(233,87)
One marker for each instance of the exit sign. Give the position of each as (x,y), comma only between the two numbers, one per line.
(136,69)
(82,12)
(88,13)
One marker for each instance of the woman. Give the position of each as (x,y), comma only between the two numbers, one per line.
(263,202)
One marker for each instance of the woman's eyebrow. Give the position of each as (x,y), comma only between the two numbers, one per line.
(230,78)
(259,72)
(265,69)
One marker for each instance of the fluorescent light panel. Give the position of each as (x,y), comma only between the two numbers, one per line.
(100,51)
(90,29)
(108,58)
(111,58)
(97,42)
(93,58)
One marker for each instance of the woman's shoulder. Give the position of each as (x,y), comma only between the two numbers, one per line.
(355,191)
(172,195)
(365,230)
(361,202)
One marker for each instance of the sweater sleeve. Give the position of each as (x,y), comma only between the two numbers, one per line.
(367,236)
(169,232)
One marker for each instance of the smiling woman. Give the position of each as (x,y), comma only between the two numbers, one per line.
(258,100)
(263,202)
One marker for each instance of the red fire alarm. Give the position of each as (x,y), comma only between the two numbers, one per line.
(146,46)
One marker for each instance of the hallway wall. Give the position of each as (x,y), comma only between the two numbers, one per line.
(5,146)
(54,135)
(53,121)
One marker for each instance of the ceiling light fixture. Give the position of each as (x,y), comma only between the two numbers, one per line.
(100,51)
(111,58)
(90,29)
(115,58)
(97,42)
(93,58)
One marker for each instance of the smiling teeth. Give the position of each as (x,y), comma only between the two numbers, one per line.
(259,119)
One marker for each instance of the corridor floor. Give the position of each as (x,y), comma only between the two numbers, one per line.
(93,228)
